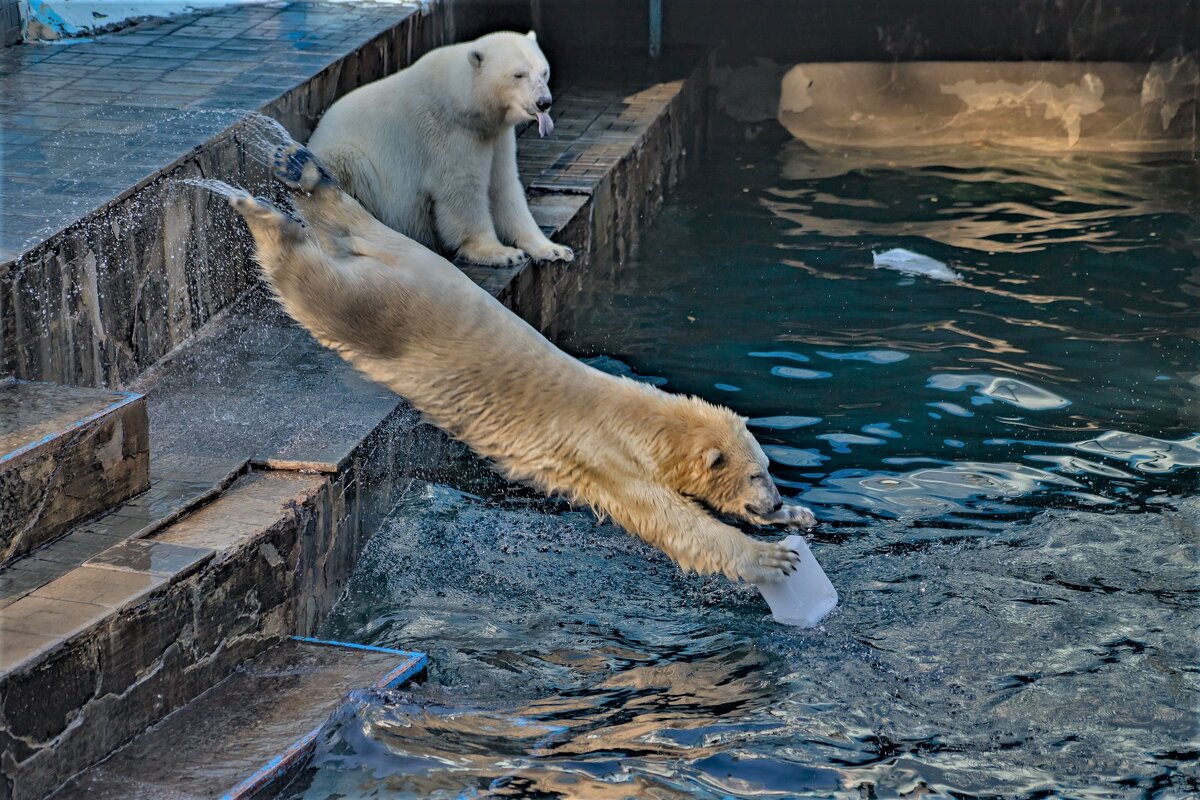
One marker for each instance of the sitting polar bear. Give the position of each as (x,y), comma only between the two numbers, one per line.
(658,464)
(431,151)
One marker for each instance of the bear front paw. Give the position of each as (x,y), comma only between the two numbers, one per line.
(793,516)
(549,251)
(496,255)
(766,562)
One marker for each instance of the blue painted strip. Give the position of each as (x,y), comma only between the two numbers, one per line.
(353,646)
(403,672)
(303,747)
(268,773)
(656,28)
(79,423)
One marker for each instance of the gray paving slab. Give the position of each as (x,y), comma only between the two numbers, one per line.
(30,412)
(142,98)
(259,388)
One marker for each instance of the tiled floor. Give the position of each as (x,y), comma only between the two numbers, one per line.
(594,128)
(240,725)
(174,490)
(81,124)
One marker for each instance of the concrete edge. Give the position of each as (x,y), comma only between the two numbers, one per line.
(273,774)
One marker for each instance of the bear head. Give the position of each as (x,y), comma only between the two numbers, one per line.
(511,77)
(714,458)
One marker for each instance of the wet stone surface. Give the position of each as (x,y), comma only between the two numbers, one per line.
(106,262)
(86,121)
(67,454)
(223,737)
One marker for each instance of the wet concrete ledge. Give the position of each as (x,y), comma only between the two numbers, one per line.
(66,455)
(97,652)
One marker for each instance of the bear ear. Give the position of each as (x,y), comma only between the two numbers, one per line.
(714,458)
(531,36)
(476,58)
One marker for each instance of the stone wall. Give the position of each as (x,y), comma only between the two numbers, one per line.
(283,545)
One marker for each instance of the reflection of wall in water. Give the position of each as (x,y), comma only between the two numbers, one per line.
(1057,106)
(1038,105)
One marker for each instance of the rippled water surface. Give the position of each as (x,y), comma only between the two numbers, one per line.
(1004,466)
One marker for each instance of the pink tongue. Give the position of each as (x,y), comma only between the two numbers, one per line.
(545,124)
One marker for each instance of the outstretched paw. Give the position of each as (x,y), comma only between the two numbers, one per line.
(296,167)
(792,516)
(766,562)
(549,251)
(493,255)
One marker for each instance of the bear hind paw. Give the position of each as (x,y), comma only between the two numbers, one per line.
(263,216)
(296,167)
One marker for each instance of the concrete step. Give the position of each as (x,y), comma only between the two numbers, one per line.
(250,732)
(66,454)
(175,489)
(94,657)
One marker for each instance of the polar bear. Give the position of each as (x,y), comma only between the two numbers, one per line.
(431,151)
(659,464)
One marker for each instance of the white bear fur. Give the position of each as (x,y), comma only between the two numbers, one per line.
(658,464)
(431,150)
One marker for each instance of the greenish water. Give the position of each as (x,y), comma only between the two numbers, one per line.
(1063,368)
(1005,469)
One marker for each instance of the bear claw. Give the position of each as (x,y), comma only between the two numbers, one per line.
(551,252)
(793,516)
(499,257)
(765,562)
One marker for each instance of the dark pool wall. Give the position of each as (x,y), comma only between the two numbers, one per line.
(978,30)
(868,30)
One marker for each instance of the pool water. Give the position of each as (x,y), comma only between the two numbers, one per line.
(1004,466)
(1064,367)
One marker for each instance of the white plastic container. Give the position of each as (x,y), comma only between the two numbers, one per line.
(804,597)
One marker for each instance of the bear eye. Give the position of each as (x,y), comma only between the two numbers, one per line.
(519,75)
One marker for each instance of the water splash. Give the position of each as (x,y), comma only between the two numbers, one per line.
(567,659)
(262,136)
(219,187)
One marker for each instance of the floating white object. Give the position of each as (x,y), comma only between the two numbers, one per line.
(911,263)
(804,597)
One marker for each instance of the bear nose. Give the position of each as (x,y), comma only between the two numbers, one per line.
(778,505)
(544,102)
